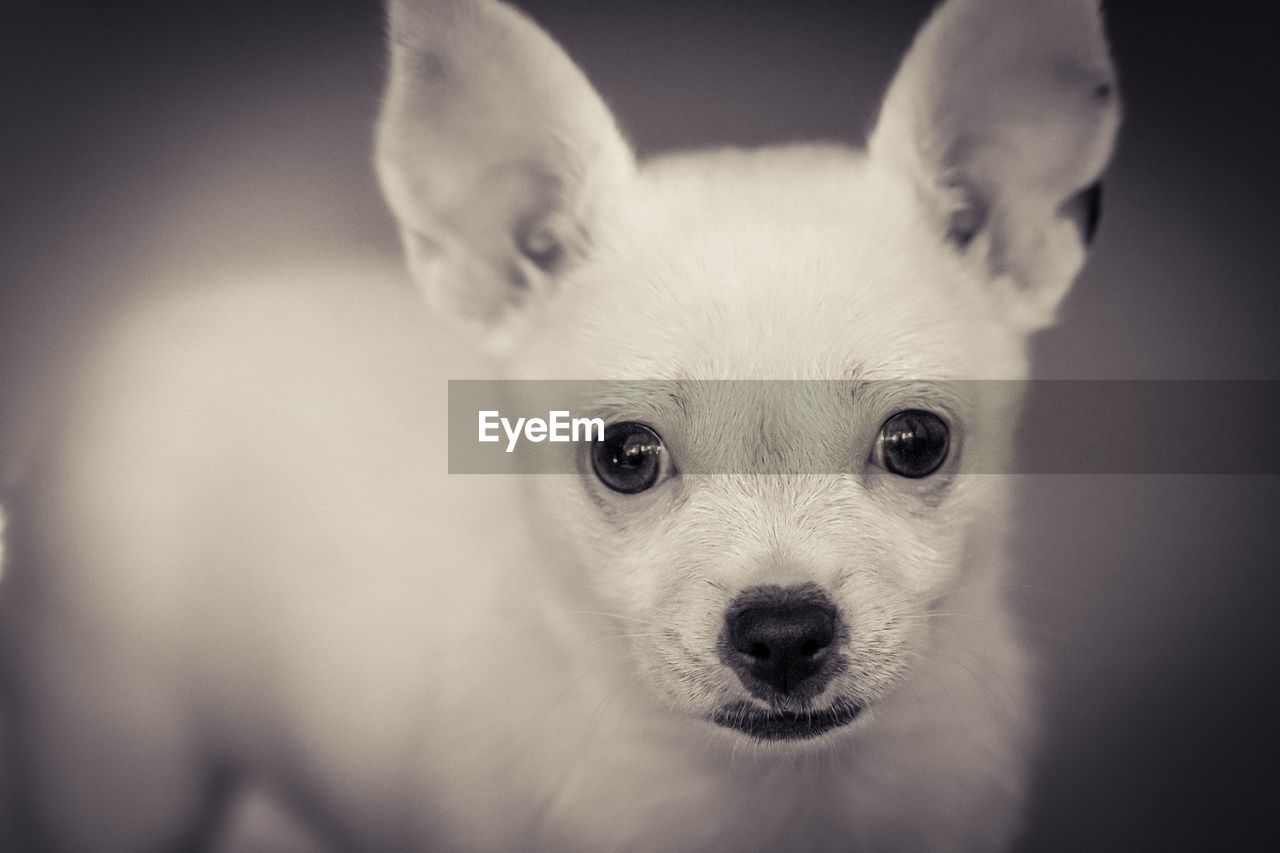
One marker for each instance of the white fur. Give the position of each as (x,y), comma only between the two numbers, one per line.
(241,554)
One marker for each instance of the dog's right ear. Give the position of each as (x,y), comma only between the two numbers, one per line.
(494,153)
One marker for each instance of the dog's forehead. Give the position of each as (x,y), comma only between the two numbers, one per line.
(776,263)
(767,220)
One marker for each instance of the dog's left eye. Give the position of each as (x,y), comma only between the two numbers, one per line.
(913,443)
(630,458)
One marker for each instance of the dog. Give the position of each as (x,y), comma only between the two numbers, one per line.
(238,561)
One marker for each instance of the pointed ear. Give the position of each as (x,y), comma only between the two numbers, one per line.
(1004,114)
(495,155)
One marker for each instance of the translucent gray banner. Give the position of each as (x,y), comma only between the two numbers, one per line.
(839,427)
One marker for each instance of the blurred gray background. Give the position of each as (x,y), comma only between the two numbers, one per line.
(137,137)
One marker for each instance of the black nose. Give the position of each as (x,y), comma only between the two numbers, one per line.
(780,639)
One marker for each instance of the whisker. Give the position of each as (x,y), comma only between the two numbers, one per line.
(610,614)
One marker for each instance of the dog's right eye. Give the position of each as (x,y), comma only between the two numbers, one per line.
(630,459)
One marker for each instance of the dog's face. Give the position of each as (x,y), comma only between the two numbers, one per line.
(772,544)
(800,592)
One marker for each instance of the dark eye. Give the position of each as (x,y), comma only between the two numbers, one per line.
(629,459)
(914,443)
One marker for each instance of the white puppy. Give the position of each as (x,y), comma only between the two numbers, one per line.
(239,558)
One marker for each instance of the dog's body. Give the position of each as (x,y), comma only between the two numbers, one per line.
(240,557)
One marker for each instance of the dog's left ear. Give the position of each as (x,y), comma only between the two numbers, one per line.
(1004,114)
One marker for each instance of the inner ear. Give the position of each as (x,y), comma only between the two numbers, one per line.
(966,219)
(1085,209)
(969,217)
(543,248)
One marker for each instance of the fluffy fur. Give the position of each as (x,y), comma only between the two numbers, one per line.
(240,559)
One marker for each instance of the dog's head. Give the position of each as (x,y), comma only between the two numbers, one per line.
(779,604)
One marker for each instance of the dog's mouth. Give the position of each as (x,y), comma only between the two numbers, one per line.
(768,724)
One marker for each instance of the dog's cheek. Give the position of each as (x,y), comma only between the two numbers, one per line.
(666,577)
(938,554)
(885,634)
(891,567)
(921,548)
(560,510)
(629,564)
(652,567)
(678,651)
